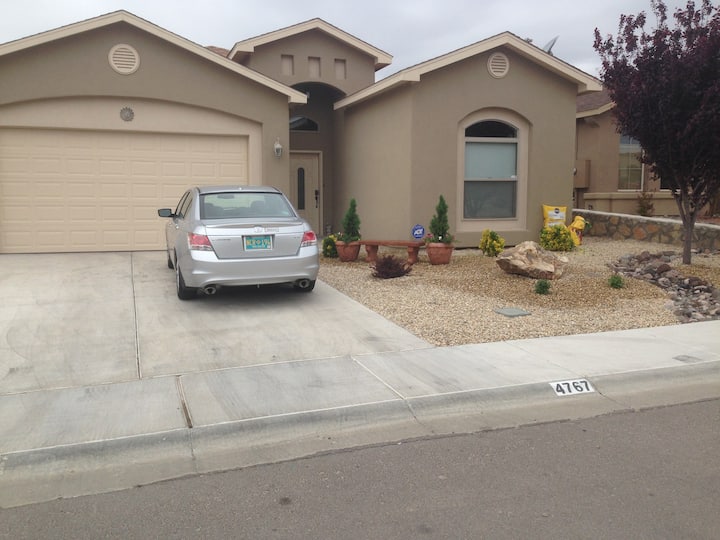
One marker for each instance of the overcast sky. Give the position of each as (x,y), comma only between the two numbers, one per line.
(411,31)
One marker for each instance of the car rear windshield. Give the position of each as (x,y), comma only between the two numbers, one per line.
(234,205)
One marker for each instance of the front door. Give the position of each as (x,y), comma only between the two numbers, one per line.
(305,187)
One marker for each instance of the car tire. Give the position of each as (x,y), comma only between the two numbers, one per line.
(304,285)
(169,262)
(183,292)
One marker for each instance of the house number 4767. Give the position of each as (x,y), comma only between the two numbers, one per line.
(569,388)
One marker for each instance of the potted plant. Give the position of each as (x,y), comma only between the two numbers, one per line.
(347,242)
(438,242)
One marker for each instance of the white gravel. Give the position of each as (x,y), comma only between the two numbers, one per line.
(455,304)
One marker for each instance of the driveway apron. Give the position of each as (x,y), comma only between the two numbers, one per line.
(70,320)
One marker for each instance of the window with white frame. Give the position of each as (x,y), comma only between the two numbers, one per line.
(630,174)
(490,188)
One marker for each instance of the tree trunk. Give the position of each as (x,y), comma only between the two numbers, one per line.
(688,214)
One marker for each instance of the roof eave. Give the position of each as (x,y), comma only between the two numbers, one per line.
(243,49)
(595,112)
(585,83)
(401,78)
(124,16)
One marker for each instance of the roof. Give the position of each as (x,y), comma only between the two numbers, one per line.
(243,49)
(594,104)
(123,16)
(219,50)
(585,83)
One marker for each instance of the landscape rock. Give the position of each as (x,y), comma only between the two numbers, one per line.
(530,260)
(694,299)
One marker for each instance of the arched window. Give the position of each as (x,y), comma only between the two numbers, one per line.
(491,171)
(303,123)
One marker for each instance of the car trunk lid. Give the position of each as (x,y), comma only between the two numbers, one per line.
(255,240)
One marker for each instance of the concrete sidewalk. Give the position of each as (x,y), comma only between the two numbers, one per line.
(72,441)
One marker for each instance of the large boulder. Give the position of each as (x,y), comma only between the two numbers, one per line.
(529,259)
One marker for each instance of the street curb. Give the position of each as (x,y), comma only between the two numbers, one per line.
(77,469)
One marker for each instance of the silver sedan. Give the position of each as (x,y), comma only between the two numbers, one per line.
(238,235)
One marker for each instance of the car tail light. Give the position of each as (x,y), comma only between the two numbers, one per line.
(309,239)
(199,242)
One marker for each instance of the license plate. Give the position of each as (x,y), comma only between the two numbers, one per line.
(254,243)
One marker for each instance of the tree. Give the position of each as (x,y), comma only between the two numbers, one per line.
(351,224)
(666,87)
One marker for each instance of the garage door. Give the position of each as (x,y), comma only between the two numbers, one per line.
(64,190)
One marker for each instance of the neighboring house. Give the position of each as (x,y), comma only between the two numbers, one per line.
(609,175)
(105,120)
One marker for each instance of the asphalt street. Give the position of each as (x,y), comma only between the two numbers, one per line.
(651,474)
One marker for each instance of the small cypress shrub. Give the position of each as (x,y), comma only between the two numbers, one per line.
(542,286)
(350,224)
(439,224)
(389,266)
(556,238)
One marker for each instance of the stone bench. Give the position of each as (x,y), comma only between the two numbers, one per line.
(371,248)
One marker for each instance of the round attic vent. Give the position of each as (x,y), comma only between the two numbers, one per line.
(124,59)
(498,65)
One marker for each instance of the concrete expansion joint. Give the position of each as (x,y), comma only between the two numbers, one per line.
(404,399)
(135,317)
(183,402)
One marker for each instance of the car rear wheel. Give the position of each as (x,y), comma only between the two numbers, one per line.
(304,285)
(183,292)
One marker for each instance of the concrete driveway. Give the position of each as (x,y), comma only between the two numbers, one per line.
(71,320)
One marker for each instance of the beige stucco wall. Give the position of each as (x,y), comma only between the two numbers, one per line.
(626,202)
(77,67)
(376,167)
(599,143)
(360,68)
(404,187)
(598,161)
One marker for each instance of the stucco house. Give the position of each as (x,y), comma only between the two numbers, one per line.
(106,120)
(609,175)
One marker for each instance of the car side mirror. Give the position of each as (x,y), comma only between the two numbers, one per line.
(165,212)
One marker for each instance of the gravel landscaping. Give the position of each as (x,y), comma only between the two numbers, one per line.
(455,304)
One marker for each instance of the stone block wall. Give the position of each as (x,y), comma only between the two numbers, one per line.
(649,229)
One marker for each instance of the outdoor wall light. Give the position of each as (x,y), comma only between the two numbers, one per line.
(277,147)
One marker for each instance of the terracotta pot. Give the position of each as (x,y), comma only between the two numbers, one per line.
(347,252)
(439,253)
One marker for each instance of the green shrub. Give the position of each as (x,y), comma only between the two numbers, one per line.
(556,238)
(328,246)
(645,206)
(389,266)
(439,224)
(616,281)
(491,243)
(542,286)
(350,224)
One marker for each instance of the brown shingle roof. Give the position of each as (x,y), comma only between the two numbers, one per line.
(592,101)
(218,50)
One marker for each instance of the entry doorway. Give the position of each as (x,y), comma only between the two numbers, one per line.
(305,187)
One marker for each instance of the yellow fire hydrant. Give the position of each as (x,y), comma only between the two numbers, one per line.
(577,227)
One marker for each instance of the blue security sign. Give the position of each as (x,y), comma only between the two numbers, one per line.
(418,232)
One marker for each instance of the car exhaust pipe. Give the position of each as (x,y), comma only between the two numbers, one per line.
(302,283)
(210,290)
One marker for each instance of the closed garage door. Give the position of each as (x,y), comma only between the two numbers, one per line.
(65,190)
